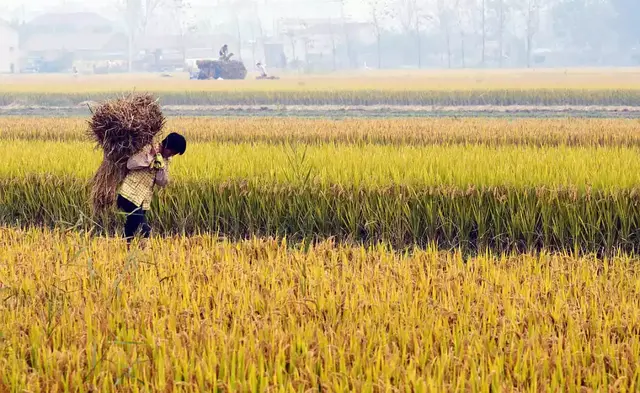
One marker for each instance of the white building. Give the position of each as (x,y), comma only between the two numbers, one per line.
(9,51)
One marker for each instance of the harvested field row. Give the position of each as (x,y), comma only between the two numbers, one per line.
(428,97)
(197,314)
(406,131)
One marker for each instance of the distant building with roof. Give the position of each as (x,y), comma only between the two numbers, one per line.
(9,48)
(75,35)
(55,42)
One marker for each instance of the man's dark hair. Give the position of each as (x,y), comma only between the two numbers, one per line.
(175,142)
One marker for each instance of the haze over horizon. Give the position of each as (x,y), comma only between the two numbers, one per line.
(391,33)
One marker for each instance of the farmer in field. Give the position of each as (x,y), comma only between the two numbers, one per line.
(224,53)
(146,170)
(263,70)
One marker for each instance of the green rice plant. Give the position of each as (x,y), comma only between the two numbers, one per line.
(469,197)
(370,166)
(512,218)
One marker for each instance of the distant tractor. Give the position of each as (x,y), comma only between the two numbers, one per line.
(216,69)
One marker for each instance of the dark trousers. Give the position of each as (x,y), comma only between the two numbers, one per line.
(136,219)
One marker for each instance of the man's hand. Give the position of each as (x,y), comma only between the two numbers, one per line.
(158,162)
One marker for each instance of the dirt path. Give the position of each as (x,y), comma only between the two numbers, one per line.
(336,111)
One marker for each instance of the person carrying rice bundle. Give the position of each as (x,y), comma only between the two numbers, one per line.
(146,169)
(133,164)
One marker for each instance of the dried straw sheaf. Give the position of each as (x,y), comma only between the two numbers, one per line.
(121,127)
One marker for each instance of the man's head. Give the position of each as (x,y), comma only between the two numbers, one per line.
(173,144)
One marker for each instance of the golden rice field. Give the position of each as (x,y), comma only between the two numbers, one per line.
(357,97)
(202,314)
(360,255)
(371,166)
(406,131)
(426,88)
(570,78)
(468,184)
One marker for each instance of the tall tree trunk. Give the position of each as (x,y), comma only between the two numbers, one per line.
(348,46)
(133,15)
(484,32)
(260,32)
(448,39)
(462,49)
(529,41)
(419,44)
(501,34)
(530,32)
(345,31)
(334,50)
(239,54)
(254,43)
(183,44)
(130,53)
(306,54)
(379,50)
(253,52)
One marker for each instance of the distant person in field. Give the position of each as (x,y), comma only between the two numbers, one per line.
(263,69)
(224,53)
(146,170)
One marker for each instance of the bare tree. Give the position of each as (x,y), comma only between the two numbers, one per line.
(149,10)
(291,34)
(237,8)
(502,19)
(260,31)
(184,25)
(413,17)
(530,10)
(445,19)
(239,31)
(345,29)
(132,16)
(483,10)
(137,15)
(495,16)
(378,11)
(306,41)
(464,13)
(334,45)
(460,11)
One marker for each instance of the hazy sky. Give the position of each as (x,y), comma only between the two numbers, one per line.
(322,8)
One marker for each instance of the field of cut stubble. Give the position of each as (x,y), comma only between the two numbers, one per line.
(363,255)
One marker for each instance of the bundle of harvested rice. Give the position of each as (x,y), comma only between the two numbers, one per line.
(121,127)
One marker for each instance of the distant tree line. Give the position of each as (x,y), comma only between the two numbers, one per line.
(442,33)
(493,33)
